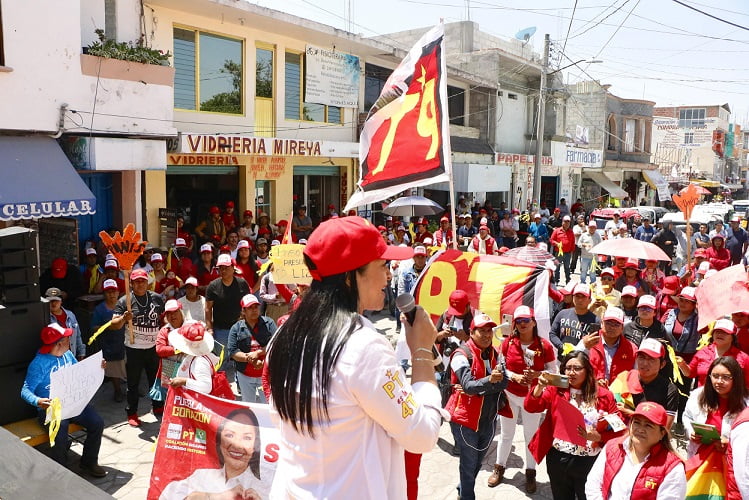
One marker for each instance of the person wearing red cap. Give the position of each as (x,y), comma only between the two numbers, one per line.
(642,464)
(212,230)
(453,324)
(717,403)
(301,224)
(576,324)
(229,217)
(111,340)
(443,237)
(526,355)
(195,372)
(66,319)
(65,277)
(332,214)
(482,243)
(613,354)
(568,463)
(248,340)
(476,368)
(717,255)
(184,234)
(169,357)
(740,318)
(332,374)
(52,355)
(562,243)
(631,277)
(722,344)
(665,300)
(422,232)
(645,324)
(248,229)
(140,344)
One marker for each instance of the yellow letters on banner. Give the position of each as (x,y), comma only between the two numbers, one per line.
(444,273)
(426,126)
(493,279)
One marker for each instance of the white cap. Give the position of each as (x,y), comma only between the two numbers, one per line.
(646,301)
(536,216)
(581,289)
(206,247)
(483,221)
(192,280)
(725,325)
(566,218)
(302,241)
(704,267)
(180,242)
(248,300)
(592,223)
(157,257)
(224,260)
(522,312)
(243,244)
(629,291)
(90,251)
(614,314)
(172,305)
(111,264)
(275,243)
(110,285)
(420,250)
(652,348)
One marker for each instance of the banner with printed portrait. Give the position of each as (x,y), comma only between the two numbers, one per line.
(495,285)
(213,447)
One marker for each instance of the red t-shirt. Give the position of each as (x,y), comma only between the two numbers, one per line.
(62,318)
(702,359)
(716,417)
(742,339)
(514,354)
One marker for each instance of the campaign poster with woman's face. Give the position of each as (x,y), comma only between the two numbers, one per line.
(211,446)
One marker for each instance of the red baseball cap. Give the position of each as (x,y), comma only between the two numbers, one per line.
(522,312)
(214,210)
(229,204)
(282,222)
(653,412)
(632,263)
(458,302)
(652,348)
(59,268)
(331,207)
(670,285)
(248,300)
(445,219)
(345,244)
(138,274)
(248,213)
(51,334)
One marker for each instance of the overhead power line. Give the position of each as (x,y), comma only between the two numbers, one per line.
(710,15)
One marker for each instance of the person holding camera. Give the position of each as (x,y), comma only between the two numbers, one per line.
(568,463)
(526,356)
(478,379)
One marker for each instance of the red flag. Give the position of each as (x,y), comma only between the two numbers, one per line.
(405,141)
(287,237)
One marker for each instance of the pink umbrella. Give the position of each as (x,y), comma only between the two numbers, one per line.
(630,247)
(721,294)
(700,190)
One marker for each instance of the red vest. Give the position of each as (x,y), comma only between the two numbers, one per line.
(465,409)
(651,475)
(489,242)
(732,489)
(623,360)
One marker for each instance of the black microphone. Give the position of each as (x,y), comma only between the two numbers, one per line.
(407,305)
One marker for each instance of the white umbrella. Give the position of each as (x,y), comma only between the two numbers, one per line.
(413,205)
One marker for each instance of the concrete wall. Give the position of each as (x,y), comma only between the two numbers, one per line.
(43,49)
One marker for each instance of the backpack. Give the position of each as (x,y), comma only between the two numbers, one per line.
(220,386)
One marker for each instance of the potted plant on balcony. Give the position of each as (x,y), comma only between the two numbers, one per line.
(108,58)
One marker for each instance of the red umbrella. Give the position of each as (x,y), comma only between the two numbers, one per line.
(630,247)
(700,190)
(721,294)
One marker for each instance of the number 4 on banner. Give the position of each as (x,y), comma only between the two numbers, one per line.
(126,248)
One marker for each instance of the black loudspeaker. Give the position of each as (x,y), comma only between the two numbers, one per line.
(14,408)
(20,327)
(19,271)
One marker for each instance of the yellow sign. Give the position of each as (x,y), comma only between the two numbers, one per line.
(288,265)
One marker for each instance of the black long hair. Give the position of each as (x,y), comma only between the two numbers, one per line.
(590,386)
(305,350)
(254,462)
(709,399)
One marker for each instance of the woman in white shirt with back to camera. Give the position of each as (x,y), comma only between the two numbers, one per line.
(346,409)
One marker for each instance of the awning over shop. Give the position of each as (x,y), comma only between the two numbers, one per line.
(706,183)
(657,182)
(732,186)
(471,178)
(606,183)
(37,180)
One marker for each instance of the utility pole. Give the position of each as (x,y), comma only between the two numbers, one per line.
(540,125)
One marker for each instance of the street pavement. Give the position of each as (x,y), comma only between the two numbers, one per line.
(127,453)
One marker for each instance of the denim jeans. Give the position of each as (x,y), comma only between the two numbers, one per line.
(473,446)
(252,388)
(94,425)
(586,270)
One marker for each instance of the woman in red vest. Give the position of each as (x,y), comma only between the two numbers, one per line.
(568,463)
(640,465)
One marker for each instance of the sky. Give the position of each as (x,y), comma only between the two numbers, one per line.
(658,50)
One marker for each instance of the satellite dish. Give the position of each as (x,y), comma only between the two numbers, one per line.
(525,34)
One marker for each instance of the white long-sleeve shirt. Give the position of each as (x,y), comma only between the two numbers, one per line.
(374,415)
(740,447)
(673,486)
(198,372)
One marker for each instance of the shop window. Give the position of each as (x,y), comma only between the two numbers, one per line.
(263,73)
(263,194)
(208,72)
(295,107)
(374,81)
(691,117)
(456,105)
(629,135)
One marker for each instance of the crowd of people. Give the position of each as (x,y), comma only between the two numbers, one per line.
(623,354)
